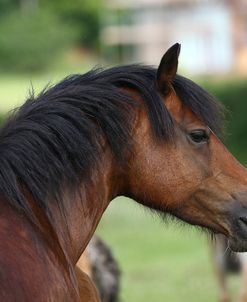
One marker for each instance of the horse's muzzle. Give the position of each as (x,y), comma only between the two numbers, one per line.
(238,240)
(241,226)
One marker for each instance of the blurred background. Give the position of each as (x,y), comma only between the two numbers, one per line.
(42,41)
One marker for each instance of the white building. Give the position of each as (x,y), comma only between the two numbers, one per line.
(213,33)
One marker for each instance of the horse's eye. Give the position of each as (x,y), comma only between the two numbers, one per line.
(199,136)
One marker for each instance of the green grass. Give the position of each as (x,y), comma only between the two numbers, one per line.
(14,88)
(160,261)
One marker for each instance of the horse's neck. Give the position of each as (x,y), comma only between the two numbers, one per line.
(84,212)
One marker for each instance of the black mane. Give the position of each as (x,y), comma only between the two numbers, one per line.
(54,138)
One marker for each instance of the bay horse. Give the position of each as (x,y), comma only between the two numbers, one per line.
(134,130)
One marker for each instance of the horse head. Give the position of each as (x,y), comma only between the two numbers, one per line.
(188,173)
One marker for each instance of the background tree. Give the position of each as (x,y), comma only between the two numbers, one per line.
(32,32)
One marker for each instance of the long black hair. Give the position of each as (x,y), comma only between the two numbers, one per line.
(53,139)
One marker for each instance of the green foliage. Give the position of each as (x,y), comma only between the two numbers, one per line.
(234,95)
(34,32)
(31,41)
(82,14)
(7,6)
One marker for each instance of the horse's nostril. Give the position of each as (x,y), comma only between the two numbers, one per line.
(243,220)
(241,224)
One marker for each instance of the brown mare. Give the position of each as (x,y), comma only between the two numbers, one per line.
(132,130)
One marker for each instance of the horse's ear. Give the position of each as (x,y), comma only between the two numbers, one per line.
(168,67)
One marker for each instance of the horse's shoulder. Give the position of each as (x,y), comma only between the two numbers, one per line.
(30,269)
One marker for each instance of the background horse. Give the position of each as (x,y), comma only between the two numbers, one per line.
(227,262)
(99,263)
(133,130)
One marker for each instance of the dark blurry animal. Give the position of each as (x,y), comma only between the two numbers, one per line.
(100,264)
(227,262)
(136,131)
